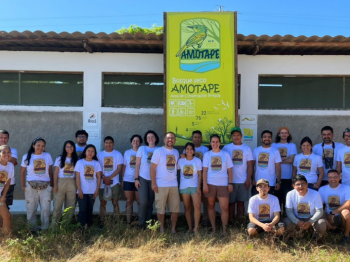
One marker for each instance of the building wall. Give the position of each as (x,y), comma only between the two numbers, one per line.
(56,124)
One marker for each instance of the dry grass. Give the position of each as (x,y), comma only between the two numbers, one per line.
(118,242)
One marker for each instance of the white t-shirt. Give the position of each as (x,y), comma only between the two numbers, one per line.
(145,153)
(79,149)
(304,206)
(263,209)
(14,154)
(189,172)
(109,162)
(307,166)
(87,171)
(67,170)
(38,168)
(6,172)
(265,160)
(166,172)
(286,150)
(240,155)
(343,156)
(334,197)
(217,164)
(327,152)
(199,152)
(129,163)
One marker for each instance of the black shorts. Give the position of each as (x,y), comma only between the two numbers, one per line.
(129,186)
(9,195)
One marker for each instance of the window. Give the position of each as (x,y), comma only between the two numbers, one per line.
(301,92)
(132,91)
(42,89)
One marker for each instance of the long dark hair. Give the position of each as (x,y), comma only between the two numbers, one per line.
(32,150)
(191,145)
(83,155)
(64,154)
(155,135)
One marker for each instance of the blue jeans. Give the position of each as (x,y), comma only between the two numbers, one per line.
(146,195)
(86,206)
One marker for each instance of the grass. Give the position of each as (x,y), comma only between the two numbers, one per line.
(117,242)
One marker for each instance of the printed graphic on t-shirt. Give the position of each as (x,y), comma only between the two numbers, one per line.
(132,162)
(328,154)
(263,160)
(149,157)
(39,166)
(170,162)
(333,202)
(199,155)
(305,165)
(68,169)
(303,210)
(108,164)
(347,160)
(283,151)
(188,171)
(237,157)
(264,212)
(216,163)
(3,178)
(89,173)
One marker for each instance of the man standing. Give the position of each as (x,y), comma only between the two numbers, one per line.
(4,138)
(304,208)
(343,159)
(267,162)
(81,137)
(287,151)
(264,211)
(111,162)
(336,197)
(242,170)
(164,181)
(328,150)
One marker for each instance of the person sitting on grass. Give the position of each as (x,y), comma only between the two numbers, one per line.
(6,174)
(304,208)
(264,211)
(336,197)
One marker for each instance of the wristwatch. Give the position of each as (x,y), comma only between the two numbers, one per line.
(331,213)
(136,178)
(278,182)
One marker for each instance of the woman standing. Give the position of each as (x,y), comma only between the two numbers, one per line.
(38,164)
(190,185)
(307,164)
(128,176)
(88,177)
(65,186)
(217,172)
(143,177)
(6,174)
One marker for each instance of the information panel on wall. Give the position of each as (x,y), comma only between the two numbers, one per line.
(200,74)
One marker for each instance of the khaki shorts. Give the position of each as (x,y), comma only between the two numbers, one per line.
(217,191)
(116,192)
(167,196)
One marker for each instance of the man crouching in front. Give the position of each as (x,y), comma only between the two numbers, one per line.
(264,211)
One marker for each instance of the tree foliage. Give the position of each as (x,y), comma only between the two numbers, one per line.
(133,29)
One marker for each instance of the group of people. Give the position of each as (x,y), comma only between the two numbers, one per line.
(149,175)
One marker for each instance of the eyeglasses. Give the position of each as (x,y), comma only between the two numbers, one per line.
(333,177)
(300,185)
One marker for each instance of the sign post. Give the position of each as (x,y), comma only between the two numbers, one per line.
(200,74)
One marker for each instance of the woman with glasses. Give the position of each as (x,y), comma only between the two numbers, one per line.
(217,172)
(308,164)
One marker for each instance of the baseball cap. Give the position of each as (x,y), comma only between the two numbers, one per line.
(262,181)
(236,129)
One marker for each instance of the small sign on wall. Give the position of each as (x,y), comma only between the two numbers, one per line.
(93,133)
(249,128)
(91,119)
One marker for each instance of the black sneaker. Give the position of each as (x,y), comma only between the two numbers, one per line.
(101,225)
(345,240)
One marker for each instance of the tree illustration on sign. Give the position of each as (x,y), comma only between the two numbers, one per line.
(222,128)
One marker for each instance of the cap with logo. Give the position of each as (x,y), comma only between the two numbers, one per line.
(236,129)
(262,181)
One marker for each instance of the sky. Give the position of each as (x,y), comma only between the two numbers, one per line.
(254,17)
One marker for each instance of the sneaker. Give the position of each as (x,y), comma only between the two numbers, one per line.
(345,240)
(101,225)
